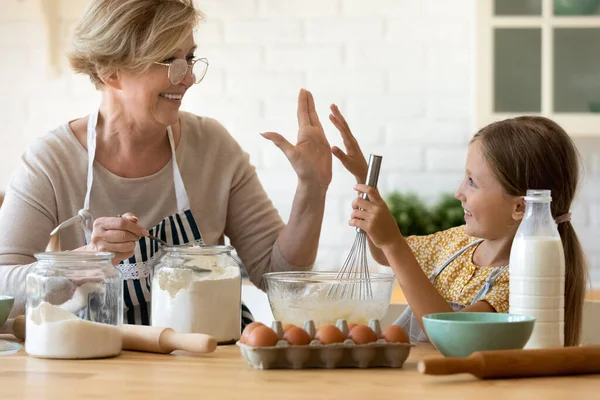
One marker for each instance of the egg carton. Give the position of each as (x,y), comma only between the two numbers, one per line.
(347,354)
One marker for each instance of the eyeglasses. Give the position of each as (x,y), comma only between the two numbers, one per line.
(179,67)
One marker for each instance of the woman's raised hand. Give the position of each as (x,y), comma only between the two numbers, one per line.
(311,156)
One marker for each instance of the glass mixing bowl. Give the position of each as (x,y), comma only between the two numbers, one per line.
(296,297)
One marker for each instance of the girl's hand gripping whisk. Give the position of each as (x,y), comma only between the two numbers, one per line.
(374,217)
(355,271)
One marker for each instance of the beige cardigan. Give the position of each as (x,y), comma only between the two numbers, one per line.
(225,196)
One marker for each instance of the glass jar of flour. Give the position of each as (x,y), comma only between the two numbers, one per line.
(198,289)
(74,306)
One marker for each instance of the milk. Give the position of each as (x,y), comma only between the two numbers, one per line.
(537,272)
(538,257)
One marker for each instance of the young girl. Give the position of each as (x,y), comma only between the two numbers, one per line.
(452,270)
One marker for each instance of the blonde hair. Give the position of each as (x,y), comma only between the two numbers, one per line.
(536,153)
(130,35)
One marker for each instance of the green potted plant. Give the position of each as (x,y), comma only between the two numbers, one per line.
(415,217)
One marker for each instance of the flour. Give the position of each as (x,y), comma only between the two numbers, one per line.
(353,311)
(52,332)
(313,304)
(194,302)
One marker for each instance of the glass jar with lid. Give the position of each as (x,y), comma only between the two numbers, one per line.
(74,306)
(198,289)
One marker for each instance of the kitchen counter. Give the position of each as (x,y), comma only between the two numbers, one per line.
(398,296)
(258,303)
(224,374)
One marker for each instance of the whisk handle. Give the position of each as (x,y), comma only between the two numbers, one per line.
(373,173)
(372,177)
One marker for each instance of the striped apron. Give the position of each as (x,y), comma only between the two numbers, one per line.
(176,229)
(409,322)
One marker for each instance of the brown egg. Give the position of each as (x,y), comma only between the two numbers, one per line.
(350,327)
(286,327)
(395,334)
(248,330)
(262,336)
(328,334)
(296,336)
(362,334)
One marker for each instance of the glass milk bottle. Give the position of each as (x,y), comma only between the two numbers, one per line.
(198,289)
(537,272)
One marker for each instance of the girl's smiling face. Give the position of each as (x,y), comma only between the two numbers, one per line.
(490,213)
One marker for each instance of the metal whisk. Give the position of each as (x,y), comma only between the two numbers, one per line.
(355,269)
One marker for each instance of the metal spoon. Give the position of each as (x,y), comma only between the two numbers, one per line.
(158,240)
(150,236)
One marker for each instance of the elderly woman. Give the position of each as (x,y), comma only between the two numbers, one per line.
(138,165)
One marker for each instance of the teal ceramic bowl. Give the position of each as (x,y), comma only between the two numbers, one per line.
(6,303)
(458,334)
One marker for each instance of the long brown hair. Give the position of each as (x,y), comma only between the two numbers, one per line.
(536,153)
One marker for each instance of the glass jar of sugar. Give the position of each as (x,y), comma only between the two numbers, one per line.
(198,289)
(74,306)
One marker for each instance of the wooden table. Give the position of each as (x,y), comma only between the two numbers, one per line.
(398,296)
(224,374)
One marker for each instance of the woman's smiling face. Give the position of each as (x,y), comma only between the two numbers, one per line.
(151,96)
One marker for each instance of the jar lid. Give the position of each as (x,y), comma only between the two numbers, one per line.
(73,256)
(199,250)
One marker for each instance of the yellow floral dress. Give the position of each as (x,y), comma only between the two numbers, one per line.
(461,280)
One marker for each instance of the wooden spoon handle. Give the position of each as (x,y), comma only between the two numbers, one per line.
(450,365)
(191,342)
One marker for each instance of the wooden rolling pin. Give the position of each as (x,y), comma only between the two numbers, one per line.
(149,338)
(155,339)
(518,363)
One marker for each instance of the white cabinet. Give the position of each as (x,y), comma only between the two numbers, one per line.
(539,57)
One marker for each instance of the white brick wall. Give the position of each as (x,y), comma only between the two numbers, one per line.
(400,70)
(298,9)
(443,159)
